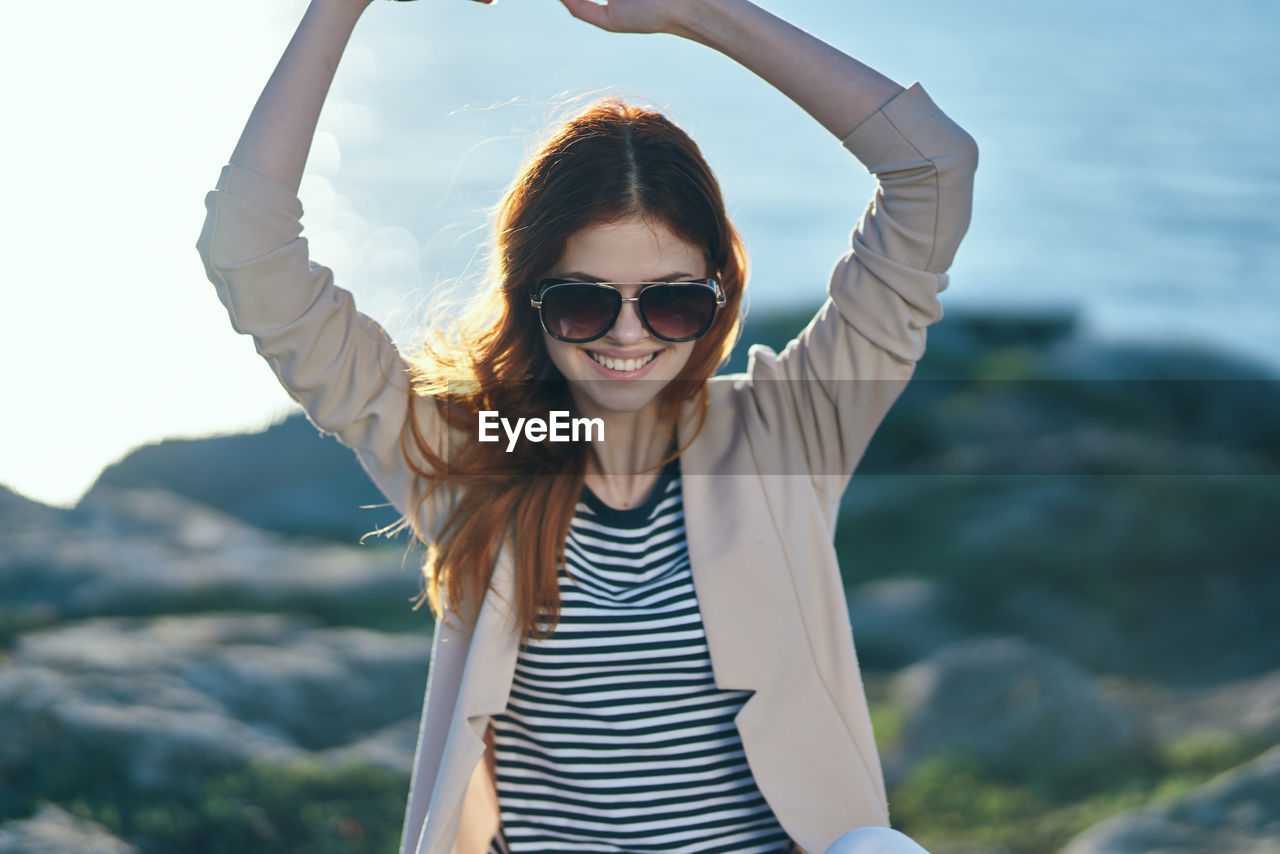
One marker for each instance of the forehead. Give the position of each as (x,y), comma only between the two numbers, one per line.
(630,250)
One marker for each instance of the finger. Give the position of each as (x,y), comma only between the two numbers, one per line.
(586,10)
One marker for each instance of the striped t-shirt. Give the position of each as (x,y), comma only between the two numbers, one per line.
(615,737)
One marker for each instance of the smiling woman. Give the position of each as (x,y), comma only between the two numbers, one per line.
(584,694)
(603,360)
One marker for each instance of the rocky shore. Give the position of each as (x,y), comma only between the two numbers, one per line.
(1076,649)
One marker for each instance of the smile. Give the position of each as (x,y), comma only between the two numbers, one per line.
(622,365)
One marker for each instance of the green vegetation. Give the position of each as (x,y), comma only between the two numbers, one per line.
(1149,506)
(15,621)
(886,722)
(1031,810)
(1145,552)
(1103,538)
(303,808)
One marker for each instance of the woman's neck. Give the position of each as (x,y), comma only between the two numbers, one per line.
(623,469)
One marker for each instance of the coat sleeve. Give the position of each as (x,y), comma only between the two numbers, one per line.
(819,401)
(340,365)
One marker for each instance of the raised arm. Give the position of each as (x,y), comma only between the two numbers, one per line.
(836,89)
(277,138)
(814,407)
(339,364)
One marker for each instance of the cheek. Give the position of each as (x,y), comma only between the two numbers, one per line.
(560,353)
(683,353)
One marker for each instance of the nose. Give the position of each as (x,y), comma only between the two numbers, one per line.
(628,327)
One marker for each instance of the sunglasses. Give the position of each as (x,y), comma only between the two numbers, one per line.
(577,312)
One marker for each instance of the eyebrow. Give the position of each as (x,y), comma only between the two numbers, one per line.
(671,277)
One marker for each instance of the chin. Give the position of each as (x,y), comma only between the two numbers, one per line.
(603,396)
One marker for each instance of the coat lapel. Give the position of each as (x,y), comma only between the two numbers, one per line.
(750,616)
(736,560)
(736,572)
(491,663)
(486,682)
(757,635)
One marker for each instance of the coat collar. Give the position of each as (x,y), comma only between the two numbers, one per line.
(735,574)
(756,634)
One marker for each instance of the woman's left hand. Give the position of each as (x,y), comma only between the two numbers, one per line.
(630,16)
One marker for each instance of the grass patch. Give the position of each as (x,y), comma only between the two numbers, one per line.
(886,721)
(15,621)
(1131,548)
(956,799)
(303,807)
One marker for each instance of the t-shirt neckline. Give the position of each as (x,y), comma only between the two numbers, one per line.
(633,516)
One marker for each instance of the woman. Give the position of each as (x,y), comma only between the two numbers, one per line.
(581,697)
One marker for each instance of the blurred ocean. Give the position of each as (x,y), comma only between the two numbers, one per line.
(1128,174)
(1128,156)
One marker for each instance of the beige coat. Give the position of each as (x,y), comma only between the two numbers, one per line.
(762,482)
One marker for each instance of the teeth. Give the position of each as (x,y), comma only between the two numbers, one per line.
(623,364)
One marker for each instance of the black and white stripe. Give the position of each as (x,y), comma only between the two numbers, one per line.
(615,737)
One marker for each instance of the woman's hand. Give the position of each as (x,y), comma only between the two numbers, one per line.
(836,89)
(630,16)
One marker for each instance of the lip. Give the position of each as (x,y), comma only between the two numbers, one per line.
(609,373)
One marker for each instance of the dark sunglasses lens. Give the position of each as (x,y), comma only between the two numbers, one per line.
(678,312)
(579,312)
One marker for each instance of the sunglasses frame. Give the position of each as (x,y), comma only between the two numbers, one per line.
(712,284)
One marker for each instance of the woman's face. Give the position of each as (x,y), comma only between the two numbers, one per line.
(629,250)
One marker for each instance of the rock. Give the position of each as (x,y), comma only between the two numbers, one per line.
(18,512)
(155,727)
(150,551)
(1235,812)
(1036,328)
(1097,359)
(1068,626)
(1249,707)
(1116,566)
(391,747)
(897,621)
(53,829)
(1010,705)
(162,695)
(289,478)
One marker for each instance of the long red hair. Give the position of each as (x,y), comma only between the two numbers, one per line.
(609,162)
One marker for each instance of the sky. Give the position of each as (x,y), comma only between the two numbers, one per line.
(124,117)
(113,137)
(1127,166)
